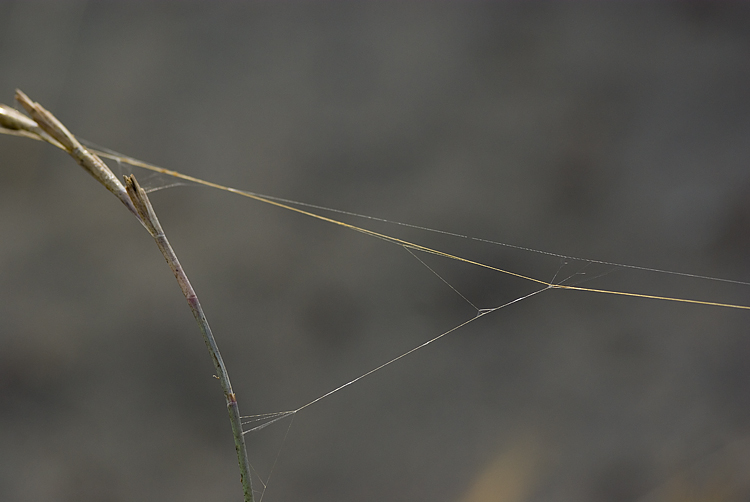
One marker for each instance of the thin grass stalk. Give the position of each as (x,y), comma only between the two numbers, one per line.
(151,222)
(44,125)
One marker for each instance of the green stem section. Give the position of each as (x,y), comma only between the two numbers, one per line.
(151,222)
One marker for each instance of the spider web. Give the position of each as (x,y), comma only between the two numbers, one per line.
(569,273)
(444,270)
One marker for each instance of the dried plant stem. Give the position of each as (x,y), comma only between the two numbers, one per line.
(89,161)
(47,127)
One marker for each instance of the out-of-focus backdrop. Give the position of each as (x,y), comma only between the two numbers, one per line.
(616,132)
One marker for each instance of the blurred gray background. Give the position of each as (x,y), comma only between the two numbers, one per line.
(617,132)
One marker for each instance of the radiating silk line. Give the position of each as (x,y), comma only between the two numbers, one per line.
(418,247)
(410,245)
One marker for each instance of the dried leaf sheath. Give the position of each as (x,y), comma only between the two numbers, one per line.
(93,164)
